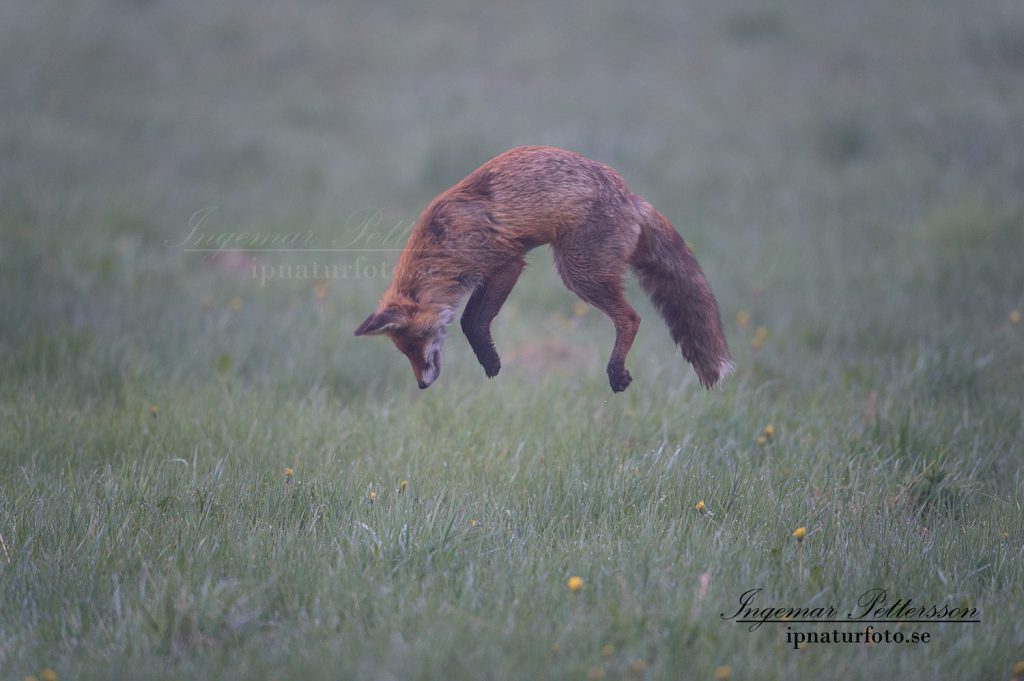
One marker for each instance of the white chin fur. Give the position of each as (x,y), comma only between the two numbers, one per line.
(726,367)
(432,359)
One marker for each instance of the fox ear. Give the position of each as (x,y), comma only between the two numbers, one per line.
(378,322)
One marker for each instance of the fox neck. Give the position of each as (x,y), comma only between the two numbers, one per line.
(428,284)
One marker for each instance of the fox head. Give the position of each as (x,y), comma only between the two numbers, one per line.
(418,331)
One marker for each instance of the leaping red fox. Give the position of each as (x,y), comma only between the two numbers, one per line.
(472,238)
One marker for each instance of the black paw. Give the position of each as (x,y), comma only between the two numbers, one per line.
(492,365)
(619,378)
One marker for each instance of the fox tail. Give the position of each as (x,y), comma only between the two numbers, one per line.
(669,273)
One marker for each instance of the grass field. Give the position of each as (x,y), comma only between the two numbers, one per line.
(849,174)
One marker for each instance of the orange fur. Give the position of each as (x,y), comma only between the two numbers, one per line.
(472,238)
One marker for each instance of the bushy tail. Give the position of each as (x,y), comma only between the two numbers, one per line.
(670,275)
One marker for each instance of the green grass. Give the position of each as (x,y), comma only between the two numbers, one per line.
(849,177)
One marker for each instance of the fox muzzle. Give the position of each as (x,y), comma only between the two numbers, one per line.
(431,369)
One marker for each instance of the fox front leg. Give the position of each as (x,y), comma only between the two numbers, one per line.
(482,308)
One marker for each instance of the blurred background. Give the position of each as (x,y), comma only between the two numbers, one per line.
(850,173)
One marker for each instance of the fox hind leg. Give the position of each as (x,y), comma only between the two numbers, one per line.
(481,309)
(608,297)
(594,272)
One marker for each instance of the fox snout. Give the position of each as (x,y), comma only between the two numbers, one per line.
(425,358)
(431,369)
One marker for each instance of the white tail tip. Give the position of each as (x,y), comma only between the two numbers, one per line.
(726,367)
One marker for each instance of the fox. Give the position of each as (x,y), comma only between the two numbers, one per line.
(471,241)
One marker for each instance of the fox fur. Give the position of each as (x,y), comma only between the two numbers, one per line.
(471,240)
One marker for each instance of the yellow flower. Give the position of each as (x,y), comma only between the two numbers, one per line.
(372,496)
(288,473)
(595,674)
(769,431)
(320,289)
(638,666)
(760,336)
(1015,317)
(31,677)
(235,304)
(700,506)
(580,309)
(761,440)
(607,650)
(575,583)
(800,533)
(402,486)
(723,673)
(152,409)
(743,318)
(1018,668)
(47,675)
(473,523)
